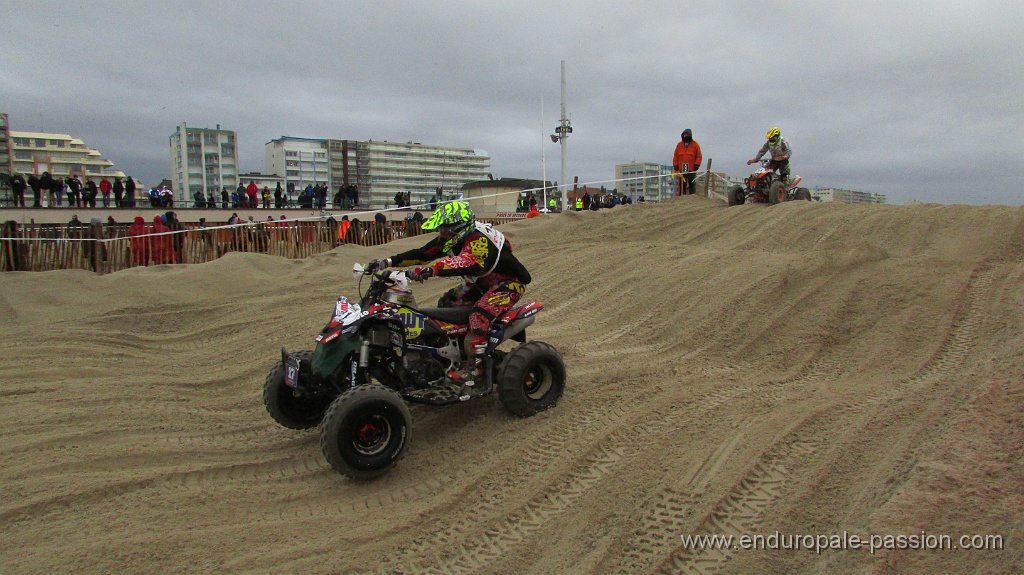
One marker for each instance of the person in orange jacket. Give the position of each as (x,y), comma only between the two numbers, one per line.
(685,162)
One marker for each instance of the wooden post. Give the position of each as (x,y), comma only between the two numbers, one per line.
(707,180)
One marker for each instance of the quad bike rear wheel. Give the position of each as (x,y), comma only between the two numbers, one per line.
(288,407)
(366,431)
(776,193)
(532,379)
(802,194)
(735,195)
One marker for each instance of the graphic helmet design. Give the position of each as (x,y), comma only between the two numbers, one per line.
(454,221)
(773,135)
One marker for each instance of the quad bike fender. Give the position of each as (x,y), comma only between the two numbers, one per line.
(328,357)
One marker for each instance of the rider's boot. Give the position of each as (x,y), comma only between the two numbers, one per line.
(472,369)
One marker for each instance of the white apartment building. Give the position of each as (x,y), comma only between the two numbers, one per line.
(648,179)
(59,154)
(848,196)
(6,159)
(300,161)
(202,159)
(379,169)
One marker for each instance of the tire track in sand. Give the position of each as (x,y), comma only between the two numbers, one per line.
(743,509)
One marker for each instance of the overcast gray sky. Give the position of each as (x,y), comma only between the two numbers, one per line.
(913,99)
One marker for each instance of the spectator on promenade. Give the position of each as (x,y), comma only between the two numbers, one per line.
(224,198)
(35,183)
(129,192)
(45,183)
(18,188)
(266,198)
(278,197)
(200,199)
(253,192)
(91,191)
(57,191)
(105,188)
(118,189)
(74,191)
(239,202)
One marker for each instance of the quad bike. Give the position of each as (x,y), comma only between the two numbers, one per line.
(375,355)
(767,187)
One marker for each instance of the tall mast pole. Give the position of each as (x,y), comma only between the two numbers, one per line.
(564,129)
(543,158)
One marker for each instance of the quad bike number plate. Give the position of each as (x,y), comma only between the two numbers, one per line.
(291,373)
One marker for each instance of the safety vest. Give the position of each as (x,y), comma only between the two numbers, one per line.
(552,203)
(579,203)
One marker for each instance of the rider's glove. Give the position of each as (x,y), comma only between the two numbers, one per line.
(420,274)
(377,265)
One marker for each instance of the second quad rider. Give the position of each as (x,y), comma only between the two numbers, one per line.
(494,279)
(780,151)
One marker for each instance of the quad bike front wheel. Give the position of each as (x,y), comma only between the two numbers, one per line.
(735,195)
(288,407)
(366,431)
(532,379)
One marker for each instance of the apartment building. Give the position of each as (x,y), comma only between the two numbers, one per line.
(848,196)
(59,154)
(379,169)
(648,179)
(202,159)
(300,161)
(6,159)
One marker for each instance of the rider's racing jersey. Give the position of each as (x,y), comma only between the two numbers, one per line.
(484,257)
(780,151)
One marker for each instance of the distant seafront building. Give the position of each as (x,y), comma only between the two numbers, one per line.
(848,196)
(6,159)
(203,159)
(648,179)
(300,161)
(59,154)
(379,169)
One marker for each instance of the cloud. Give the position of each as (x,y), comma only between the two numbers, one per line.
(916,100)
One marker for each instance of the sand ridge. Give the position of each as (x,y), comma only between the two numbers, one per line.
(804,368)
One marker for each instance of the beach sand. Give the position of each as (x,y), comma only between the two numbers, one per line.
(802,369)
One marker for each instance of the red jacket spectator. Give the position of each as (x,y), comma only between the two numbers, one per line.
(163,252)
(253,192)
(138,240)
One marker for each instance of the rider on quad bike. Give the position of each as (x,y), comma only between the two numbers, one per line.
(780,151)
(494,279)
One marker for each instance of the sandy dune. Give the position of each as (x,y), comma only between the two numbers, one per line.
(803,369)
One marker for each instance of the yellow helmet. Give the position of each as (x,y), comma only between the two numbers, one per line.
(773,135)
(455,220)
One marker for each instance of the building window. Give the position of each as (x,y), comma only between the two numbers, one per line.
(40,143)
(291,154)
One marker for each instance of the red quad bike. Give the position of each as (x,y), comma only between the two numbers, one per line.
(376,355)
(765,186)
